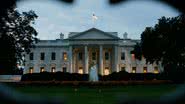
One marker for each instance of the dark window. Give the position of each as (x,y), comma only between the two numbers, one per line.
(31,56)
(106,56)
(53,56)
(123,56)
(80,55)
(94,56)
(64,69)
(42,55)
(122,68)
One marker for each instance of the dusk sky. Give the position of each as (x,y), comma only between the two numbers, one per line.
(131,17)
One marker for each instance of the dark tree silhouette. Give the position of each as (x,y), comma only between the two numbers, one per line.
(165,42)
(16,36)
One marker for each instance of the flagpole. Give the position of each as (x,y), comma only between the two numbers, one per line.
(94,18)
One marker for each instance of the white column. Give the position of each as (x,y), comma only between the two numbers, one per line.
(74,62)
(101,60)
(86,61)
(116,58)
(70,59)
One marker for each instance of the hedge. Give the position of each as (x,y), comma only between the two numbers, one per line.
(64,76)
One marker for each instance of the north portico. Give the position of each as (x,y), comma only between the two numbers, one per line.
(93,46)
(76,53)
(101,55)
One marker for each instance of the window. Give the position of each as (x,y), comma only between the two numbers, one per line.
(123,56)
(94,56)
(80,55)
(106,56)
(122,68)
(156,71)
(53,69)
(64,56)
(106,71)
(42,55)
(31,70)
(64,69)
(145,70)
(133,69)
(41,69)
(80,71)
(53,56)
(31,56)
(133,56)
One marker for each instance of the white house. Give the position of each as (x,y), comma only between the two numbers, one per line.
(80,49)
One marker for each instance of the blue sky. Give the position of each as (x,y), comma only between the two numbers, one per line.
(131,17)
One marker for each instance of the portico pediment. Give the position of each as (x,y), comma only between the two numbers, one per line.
(94,33)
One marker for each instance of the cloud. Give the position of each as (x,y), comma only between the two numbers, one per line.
(131,17)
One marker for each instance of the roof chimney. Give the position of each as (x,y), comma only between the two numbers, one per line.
(61,36)
(125,35)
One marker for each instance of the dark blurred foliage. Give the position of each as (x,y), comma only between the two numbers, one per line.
(16,36)
(115,76)
(66,1)
(7,98)
(177,4)
(165,43)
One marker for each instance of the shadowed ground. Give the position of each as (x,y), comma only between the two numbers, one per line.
(97,94)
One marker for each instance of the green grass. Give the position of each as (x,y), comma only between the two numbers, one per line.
(98,95)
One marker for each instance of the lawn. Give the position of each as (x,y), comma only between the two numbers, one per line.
(98,95)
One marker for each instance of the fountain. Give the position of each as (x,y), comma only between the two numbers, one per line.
(93,75)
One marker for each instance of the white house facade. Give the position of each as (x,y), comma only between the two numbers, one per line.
(76,53)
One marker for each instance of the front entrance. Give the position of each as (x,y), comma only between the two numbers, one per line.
(84,57)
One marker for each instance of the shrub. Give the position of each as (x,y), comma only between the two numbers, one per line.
(65,76)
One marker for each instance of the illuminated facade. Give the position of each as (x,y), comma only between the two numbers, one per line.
(76,53)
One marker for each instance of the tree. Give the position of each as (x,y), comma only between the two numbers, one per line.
(17,36)
(165,43)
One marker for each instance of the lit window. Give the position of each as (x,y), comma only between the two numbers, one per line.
(133,69)
(42,55)
(145,70)
(31,70)
(156,71)
(64,56)
(41,69)
(143,57)
(123,56)
(31,56)
(80,55)
(80,71)
(106,55)
(106,71)
(133,56)
(53,69)
(53,56)
(94,56)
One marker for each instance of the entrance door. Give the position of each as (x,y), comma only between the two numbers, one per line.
(64,69)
